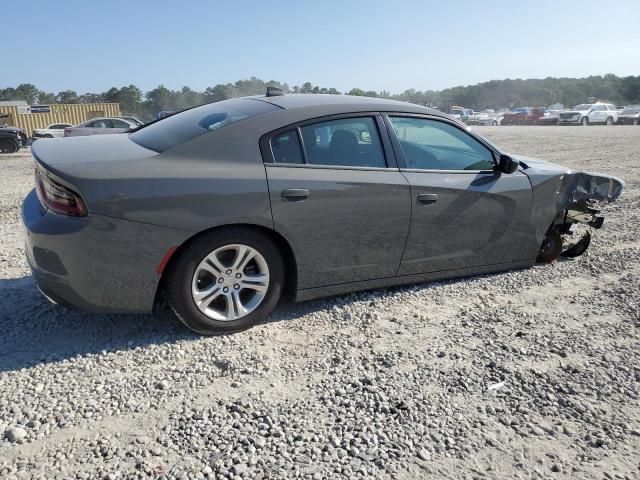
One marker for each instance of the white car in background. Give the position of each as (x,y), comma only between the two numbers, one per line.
(52,131)
(589,113)
(100,126)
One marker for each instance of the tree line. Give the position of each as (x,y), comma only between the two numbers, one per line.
(494,94)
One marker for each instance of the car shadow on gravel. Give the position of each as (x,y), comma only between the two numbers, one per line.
(34,331)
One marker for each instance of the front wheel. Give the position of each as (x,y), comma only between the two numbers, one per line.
(609,121)
(8,146)
(584,121)
(635,121)
(226,281)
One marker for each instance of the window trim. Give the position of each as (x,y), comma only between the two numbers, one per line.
(399,153)
(383,133)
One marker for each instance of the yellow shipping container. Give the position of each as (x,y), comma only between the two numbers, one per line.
(73,113)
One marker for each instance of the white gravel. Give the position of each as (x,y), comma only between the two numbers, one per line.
(528,374)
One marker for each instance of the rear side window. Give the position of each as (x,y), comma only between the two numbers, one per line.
(189,124)
(286,148)
(346,142)
(351,142)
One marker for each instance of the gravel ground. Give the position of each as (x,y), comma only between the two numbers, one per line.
(528,374)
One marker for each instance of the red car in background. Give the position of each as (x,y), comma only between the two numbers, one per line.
(524,116)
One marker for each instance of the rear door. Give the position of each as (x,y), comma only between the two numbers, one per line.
(465,214)
(599,114)
(338,197)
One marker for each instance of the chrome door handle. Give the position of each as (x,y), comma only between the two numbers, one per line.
(427,198)
(295,194)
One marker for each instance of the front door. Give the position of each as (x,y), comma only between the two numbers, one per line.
(339,199)
(465,214)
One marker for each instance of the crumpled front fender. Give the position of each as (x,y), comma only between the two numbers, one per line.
(555,188)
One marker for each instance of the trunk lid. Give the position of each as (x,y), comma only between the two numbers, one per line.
(101,156)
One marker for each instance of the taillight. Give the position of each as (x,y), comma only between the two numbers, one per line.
(57,197)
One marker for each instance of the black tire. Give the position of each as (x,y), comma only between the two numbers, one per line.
(551,247)
(585,121)
(635,121)
(48,136)
(609,121)
(8,146)
(494,123)
(183,267)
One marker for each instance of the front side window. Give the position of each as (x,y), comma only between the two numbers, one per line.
(351,142)
(435,145)
(101,124)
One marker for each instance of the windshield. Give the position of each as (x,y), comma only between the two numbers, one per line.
(583,106)
(189,124)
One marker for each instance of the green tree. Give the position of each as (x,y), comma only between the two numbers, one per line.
(67,96)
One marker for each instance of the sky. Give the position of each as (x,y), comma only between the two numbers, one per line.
(90,46)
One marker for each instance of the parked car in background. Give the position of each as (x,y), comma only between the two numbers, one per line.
(12,139)
(551,118)
(629,116)
(52,131)
(471,117)
(496,118)
(524,116)
(589,113)
(100,126)
(134,120)
(456,112)
(223,208)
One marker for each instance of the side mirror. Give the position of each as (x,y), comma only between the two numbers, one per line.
(506,164)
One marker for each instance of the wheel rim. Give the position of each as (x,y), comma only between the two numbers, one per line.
(230,282)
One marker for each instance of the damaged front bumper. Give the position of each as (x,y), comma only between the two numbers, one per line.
(563,198)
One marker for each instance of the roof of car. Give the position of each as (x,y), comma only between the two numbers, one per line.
(307,100)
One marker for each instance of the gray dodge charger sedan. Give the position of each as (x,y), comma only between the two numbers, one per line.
(221,209)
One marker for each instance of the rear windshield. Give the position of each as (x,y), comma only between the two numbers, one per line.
(187,125)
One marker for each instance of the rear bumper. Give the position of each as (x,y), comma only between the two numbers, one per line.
(95,263)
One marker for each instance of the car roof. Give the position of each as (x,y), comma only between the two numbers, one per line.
(347,103)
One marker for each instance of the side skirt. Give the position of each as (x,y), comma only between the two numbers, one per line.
(326,291)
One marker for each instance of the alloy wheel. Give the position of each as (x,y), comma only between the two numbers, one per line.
(230,282)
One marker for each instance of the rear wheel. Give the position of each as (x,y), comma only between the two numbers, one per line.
(494,123)
(635,121)
(585,121)
(8,146)
(226,281)
(551,247)
(48,136)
